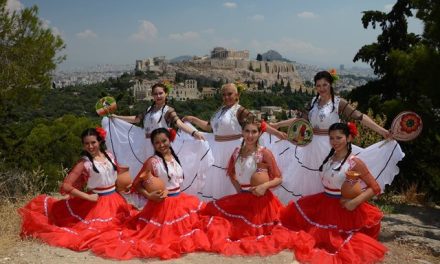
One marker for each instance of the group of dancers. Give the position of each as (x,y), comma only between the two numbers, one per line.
(240,190)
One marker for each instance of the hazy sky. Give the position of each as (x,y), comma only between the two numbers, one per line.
(321,32)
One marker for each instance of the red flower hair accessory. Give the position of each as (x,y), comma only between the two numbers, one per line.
(263,126)
(352,129)
(334,74)
(173,134)
(101,132)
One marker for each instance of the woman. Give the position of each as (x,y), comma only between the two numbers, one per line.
(132,145)
(75,222)
(226,125)
(169,224)
(345,230)
(302,163)
(252,214)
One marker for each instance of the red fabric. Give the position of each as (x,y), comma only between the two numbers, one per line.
(76,179)
(147,168)
(244,224)
(332,226)
(365,174)
(163,230)
(76,228)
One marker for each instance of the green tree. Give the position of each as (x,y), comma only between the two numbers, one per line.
(408,66)
(29,52)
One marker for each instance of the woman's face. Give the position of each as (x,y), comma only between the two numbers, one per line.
(230,95)
(159,95)
(91,145)
(251,134)
(323,87)
(338,141)
(161,143)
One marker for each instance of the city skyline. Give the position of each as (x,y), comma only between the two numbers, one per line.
(114,32)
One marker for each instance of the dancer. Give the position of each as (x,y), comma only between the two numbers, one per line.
(75,222)
(253,225)
(345,229)
(300,164)
(132,145)
(168,225)
(226,125)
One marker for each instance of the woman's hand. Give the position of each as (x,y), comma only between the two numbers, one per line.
(93,197)
(164,194)
(281,135)
(156,196)
(259,190)
(349,204)
(198,135)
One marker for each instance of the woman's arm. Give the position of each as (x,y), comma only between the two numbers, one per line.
(129,119)
(68,186)
(274,173)
(349,111)
(198,122)
(372,186)
(196,134)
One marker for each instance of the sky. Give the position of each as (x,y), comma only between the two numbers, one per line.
(319,32)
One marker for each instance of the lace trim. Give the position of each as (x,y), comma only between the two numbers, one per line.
(172,221)
(101,220)
(243,218)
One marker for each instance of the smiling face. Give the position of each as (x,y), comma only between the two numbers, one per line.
(338,141)
(251,133)
(91,145)
(159,95)
(323,88)
(229,94)
(161,143)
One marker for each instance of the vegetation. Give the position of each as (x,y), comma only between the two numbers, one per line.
(408,66)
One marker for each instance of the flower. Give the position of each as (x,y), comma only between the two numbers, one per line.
(173,134)
(410,122)
(334,74)
(240,86)
(263,126)
(352,129)
(168,85)
(101,132)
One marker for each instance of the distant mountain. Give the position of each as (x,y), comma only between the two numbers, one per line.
(273,55)
(181,58)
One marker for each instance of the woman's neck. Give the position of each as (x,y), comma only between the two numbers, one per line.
(324,99)
(158,106)
(247,149)
(338,156)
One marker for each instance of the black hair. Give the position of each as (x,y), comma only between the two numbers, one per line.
(329,78)
(165,131)
(102,148)
(344,128)
(161,85)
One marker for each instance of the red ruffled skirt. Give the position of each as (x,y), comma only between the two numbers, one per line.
(340,235)
(245,224)
(73,223)
(163,230)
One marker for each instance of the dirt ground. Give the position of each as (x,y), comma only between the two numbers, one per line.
(412,234)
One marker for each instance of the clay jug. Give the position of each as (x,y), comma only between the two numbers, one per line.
(261,175)
(351,187)
(123,181)
(153,184)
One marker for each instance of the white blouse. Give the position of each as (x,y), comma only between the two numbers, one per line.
(175,172)
(322,117)
(225,122)
(107,174)
(151,119)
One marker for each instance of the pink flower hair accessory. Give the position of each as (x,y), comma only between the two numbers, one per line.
(101,132)
(352,129)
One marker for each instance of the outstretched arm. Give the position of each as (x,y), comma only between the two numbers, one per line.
(198,122)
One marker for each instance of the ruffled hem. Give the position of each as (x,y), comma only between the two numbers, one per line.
(305,215)
(73,223)
(244,224)
(163,230)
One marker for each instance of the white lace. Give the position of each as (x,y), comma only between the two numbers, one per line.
(243,218)
(172,221)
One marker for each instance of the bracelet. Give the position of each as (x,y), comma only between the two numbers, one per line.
(192,134)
